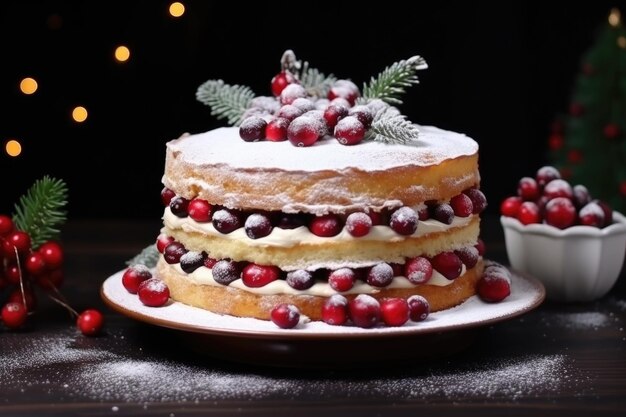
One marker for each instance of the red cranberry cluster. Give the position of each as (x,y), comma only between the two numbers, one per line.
(403,220)
(547,198)
(23,268)
(303,119)
(152,292)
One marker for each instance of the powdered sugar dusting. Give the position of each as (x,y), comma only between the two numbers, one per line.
(584,320)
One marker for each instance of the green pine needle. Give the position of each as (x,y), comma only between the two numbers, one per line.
(226,101)
(148,257)
(41,211)
(391,83)
(315,82)
(391,127)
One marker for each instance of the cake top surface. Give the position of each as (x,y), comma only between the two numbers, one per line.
(223,146)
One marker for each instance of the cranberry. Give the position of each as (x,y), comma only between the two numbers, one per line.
(191,261)
(335,310)
(608,212)
(447,264)
(304,104)
(398,269)
(285,316)
(349,131)
(528,189)
(328,225)
(6,225)
(280,81)
(443,213)
(479,201)
(27,299)
(468,255)
(462,205)
(377,217)
(19,240)
(180,207)
(364,311)
(363,114)
(394,311)
(292,220)
(257,226)
(341,279)
(153,292)
(226,221)
(418,270)
(200,210)
(419,308)
(358,224)
(255,276)
(167,195)
(494,286)
(173,252)
(13,315)
(300,279)
(303,131)
(380,275)
(334,113)
(591,215)
(135,275)
(289,112)
(480,246)
(52,254)
(209,262)
(35,264)
(339,101)
(529,213)
(345,89)
(560,212)
(276,130)
(292,92)
(404,221)
(581,195)
(225,271)
(510,206)
(51,280)
(546,174)
(12,274)
(162,241)
(90,322)
(611,131)
(558,188)
(252,129)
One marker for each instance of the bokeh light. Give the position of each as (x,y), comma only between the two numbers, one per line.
(28,85)
(79,114)
(13,147)
(177,9)
(122,53)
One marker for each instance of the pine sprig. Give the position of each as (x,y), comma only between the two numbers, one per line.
(148,257)
(226,101)
(391,127)
(393,80)
(41,211)
(315,82)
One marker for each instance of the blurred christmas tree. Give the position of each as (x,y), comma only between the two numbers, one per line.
(588,145)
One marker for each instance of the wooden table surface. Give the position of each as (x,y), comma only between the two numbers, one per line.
(560,359)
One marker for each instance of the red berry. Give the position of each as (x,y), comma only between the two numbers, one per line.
(560,212)
(335,310)
(576,109)
(226,221)
(300,279)
(363,114)
(380,275)
(611,131)
(255,276)
(258,226)
(443,213)
(581,195)
(292,92)
(6,225)
(358,224)
(179,207)
(404,221)
(480,246)
(423,213)
(510,206)
(394,311)
(528,189)
(134,276)
(462,205)
(608,212)
(167,195)
(304,104)
(209,262)
(153,292)
(51,279)
(292,220)
(328,225)
(479,201)
(418,270)
(276,130)
(468,255)
(285,316)
(529,213)
(52,254)
(12,274)
(447,264)
(289,112)
(334,113)
(162,241)
(591,215)
(35,264)
(546,174)
(377,218)
(345,89)
(280,81)
(558,188)
(90,322)
(173,252)
(200,210)
(555,141)
(341,279)
(13,315)
(494,286)
(29,296)
(225,271)
(303,131)
(364,311)
(19,240)
(349,131)
(252,129)
(419,308)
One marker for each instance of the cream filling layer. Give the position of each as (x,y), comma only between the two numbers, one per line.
(286,238)
(204,276)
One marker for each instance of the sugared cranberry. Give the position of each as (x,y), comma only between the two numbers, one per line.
(560,212)
(135,275)
(479,201)
(380,275)
(276,130)
(35,264)
(6,225)
(529,213)
(480,246)
(292,92)
(591,215)
(304,104)
(13,315)
(280,81)
(364,311)
(153,292)
(52,254)
(328,225)
(19,240)
(339,101)
(462,205)
(358,224)
(292,220)
(334,113)
(173,252)
(494,286)
(289,112)
(363,113)
(285,316)
(167,195)
(404,221)
(528,189)
(300,279)
(255,276)
(225,271)
(510,206)
(394,311)
(303,131)
(345,89)
(581,195)
(443,213)
(377,218)
(191,261)
(468,255)
(558,188)
(226,221)
(179,207)
(608,212)
(209,262)
(341,279)
(447,264)
(418,270)
(162,241)
(423,213)
(200,210)
(419,308)
(90,322)
(546,174)
(252,129)
(335,310)
(257,226)
(349,131)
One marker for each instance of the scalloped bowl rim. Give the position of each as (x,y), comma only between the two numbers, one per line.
(618,227)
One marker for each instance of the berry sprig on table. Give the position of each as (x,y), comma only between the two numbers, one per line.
(31,256)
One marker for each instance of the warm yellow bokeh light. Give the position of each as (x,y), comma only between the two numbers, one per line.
(13,147)
(122,53)
(28,85)
(615,18)
(177,9)
(79,114)
(621,42)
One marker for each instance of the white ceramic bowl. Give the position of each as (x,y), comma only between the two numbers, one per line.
(580,263)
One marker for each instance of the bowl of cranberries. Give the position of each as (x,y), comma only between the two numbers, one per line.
(560,234)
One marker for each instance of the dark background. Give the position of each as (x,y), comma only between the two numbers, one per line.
(499,71)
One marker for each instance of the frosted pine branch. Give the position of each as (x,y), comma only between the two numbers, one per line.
(148,257)
(226,101)
(315,82)
(392,128)
(391,83)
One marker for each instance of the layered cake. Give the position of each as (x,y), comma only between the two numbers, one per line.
(252,221)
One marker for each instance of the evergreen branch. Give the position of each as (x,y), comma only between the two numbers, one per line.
(394,79)
(148,257)
(226,101)
(315,82)
(391,127)
(41,211)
